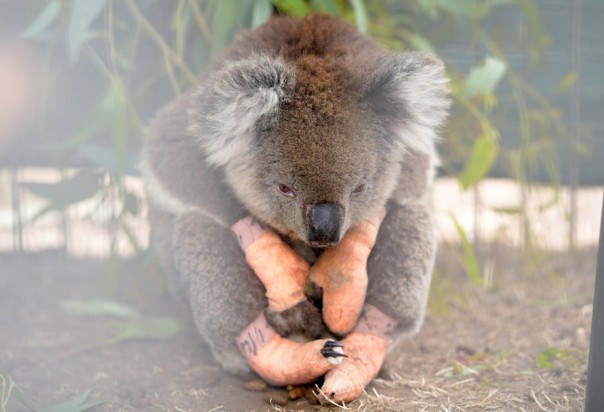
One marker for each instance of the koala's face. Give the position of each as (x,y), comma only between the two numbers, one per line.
(322,170)
(309,151)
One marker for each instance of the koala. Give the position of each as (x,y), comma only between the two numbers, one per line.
(309,128)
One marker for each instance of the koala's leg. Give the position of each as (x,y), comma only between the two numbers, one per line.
(224,293)
(339,276)
(400,266)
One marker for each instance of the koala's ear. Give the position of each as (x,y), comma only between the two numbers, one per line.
(237,101)
(410,93)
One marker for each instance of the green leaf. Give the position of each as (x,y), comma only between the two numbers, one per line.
(77,404)
(262,11)
(326,6)
(297,8)
(83,14)
(483,79)
(98,307)
(8,388)
(360,15)
(470,261)
(482,157)
(566,82)
(473,9)
(150,328)
(44,19)
(224,19)
(547,357)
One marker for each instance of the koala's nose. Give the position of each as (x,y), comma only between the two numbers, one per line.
(324,221)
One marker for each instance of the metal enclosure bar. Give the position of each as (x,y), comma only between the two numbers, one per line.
(594,396)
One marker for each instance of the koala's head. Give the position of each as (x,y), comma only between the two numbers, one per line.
(310,150)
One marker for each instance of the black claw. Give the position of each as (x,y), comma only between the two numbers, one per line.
(328,350)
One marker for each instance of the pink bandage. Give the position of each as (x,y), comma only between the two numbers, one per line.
(375,322)
(281,361)
(254,337)
(247,230)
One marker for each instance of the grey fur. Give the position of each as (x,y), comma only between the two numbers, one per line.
(314,105)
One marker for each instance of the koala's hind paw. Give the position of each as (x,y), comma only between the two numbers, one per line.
(304,318)
(333,351)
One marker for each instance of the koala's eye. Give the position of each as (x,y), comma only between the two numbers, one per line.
(359,189)
(286,190)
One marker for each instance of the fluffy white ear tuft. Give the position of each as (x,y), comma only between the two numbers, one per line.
(236,102)
(411,93)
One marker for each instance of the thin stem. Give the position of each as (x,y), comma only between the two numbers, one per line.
(159,41)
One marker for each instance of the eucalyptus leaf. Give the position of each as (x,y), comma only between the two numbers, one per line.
(98,307)
(44,19)
(470,261)
(327,6)
(262,11)
(297,8)
(150,328)
(482,157)
(484,79)
(83,14)
(224,20)
(360,15)
(473,9)
(546,358)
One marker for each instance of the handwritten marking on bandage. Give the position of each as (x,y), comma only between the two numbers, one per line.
(254,337)
(247,230)
(374,321)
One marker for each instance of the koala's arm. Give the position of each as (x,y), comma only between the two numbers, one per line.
(400,265)
(191,216)
(227,302)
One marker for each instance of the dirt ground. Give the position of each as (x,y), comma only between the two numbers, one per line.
(518,344)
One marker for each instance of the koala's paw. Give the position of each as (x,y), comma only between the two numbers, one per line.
(303,318)
(333,351)
(313,292)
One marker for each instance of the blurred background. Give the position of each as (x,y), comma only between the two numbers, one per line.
(520,186)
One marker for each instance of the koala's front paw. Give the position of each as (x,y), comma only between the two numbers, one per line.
(303,318)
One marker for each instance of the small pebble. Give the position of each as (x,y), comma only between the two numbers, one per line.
(276,398)
(296,393)
(255,385)
(311,397)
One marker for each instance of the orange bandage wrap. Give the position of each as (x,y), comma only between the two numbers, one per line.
(282,272)
(342,274)
(280,269)
(280,361)
(366,349)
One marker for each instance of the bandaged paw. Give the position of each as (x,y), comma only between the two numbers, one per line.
(280,361)
(366,348)
(341,274)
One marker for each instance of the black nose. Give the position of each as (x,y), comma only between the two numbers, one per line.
(324,221)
